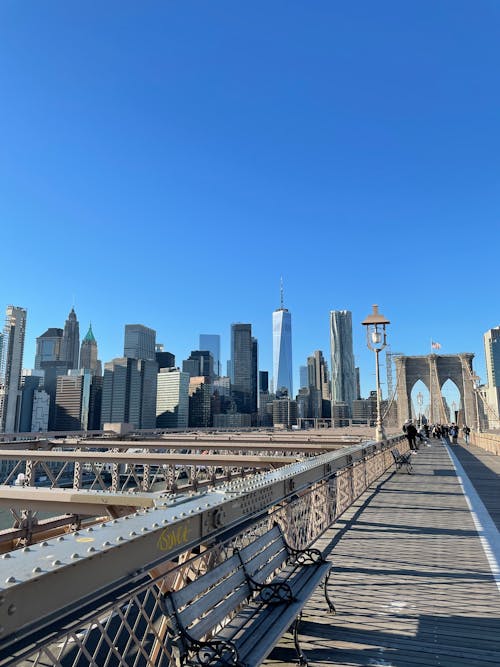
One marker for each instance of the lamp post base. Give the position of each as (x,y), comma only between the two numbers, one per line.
(380,435)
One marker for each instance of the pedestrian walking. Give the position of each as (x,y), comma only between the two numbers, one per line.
(466,433)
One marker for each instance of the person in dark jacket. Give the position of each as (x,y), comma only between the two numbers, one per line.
(411,435)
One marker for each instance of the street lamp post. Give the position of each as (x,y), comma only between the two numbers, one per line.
(420,401)
(476,380)
(376,339)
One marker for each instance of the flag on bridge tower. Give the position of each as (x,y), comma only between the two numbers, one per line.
(435,346)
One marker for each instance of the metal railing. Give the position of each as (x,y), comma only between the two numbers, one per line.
(91,598)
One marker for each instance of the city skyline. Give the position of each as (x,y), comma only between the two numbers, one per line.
(354,150)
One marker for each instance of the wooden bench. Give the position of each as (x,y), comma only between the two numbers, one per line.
(401,460)
(236,613)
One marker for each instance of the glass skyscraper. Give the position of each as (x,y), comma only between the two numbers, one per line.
(211,342)
(342,354)
(282,350)
(10,368)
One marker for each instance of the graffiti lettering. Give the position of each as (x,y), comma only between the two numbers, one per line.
(172,537)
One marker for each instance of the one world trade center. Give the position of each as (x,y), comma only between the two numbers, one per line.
(282,350)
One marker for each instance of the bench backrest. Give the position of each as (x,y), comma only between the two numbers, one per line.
(204,603)
(265,555)
(395,453)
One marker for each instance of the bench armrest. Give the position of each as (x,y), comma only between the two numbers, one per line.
(305,556)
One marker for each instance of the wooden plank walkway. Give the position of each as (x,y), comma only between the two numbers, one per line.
(411,582)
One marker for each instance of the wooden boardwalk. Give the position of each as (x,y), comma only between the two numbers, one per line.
(411,581)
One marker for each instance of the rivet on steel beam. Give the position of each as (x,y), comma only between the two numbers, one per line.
(91,550)
(75,556)
(90,530)
(56,562)
(132,533)
(106,544)
(7,555)
(10,580)
(44,544)
(120,538)
(60,538)
(26,549)
(37,569)
(144,529)
(156,525)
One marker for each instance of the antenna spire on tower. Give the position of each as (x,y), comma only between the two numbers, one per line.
(281,293)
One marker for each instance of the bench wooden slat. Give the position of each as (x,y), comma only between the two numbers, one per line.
(216,615)
(266,569)
(209,601)
(249,551)
(195,588)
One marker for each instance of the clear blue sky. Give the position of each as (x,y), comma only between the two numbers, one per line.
(166,162)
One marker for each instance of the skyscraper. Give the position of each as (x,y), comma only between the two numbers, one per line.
(75,400)
(48,346)
(88,353)
(140,342)
(342,355)
(243,368)
(492,355)
(11,364)
(172,399)
(129,392)
(70,344)
(282,350)
(211,342)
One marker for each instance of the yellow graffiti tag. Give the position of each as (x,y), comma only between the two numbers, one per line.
(172,537)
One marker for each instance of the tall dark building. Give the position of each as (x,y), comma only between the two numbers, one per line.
(243,368)
(129,392)
(48,346)
(70,344)
(11,364)
(163,358)
(78,398)
(199,363)
(88,353)
(140,342)
(263,381)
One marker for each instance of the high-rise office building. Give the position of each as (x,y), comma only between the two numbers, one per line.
(70,344)
(243,368)
(48,346)
(88,353)
(211,342)
(317,374)
(200,362)
(200,414)
(78,397)
(172,399)
(303,377)
(263,381)
(11,365)
(140,342)
(31,380)
(492,355)
(342,355)
(129,392)
(163,358)
(282,350)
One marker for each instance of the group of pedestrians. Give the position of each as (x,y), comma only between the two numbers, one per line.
(447,433)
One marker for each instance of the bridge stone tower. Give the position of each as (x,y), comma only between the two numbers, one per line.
(434,370)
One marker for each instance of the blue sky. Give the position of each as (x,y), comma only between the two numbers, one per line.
(166,162)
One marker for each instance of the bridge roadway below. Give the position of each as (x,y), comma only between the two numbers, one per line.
(412,583)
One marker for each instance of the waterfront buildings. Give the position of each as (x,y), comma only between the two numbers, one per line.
(282,350)
(343,384)
(172,398)
(11,363)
